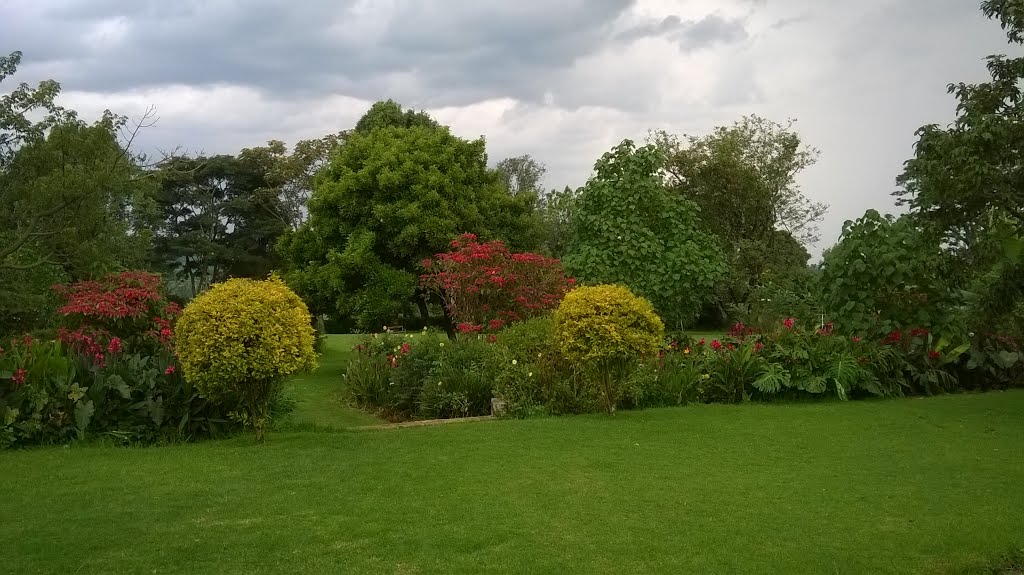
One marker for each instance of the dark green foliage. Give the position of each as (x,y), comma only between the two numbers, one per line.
(392,196)
(61,397)
(886,274)
(219,218)
(743,178)
(629,229)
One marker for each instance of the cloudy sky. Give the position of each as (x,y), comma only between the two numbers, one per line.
(563,80)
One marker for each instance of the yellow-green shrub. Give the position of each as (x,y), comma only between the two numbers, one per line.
(240,339)
(606,328)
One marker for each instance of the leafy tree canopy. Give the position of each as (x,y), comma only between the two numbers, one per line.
(630,229)
(391,197)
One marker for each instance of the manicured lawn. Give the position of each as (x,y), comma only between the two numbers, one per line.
(902,486)
(318,397)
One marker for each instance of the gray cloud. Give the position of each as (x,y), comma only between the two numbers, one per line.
(427,53)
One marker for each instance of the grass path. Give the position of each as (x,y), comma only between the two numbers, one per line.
(875,487)
(318,396)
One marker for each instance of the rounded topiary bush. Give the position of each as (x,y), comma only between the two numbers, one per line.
(607,328)
(240,339)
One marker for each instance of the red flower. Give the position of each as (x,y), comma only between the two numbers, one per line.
(855,339)
(758,346)
(895,336)
(789,322)
(98,359)
(492,338)
(406,348)
(715,344)
(359,348)
(169,370)
(19,376)
(28,340)
(166,332)
(918,332)
(496,324)
(115,345)
(393,360)
(730,347)
(701,342)
(933,354)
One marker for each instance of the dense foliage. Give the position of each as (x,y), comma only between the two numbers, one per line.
(240,339)
(484,286)
(391,197)
(629,229)
(111,373)
(885,274)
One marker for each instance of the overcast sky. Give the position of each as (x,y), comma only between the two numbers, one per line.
(563,80)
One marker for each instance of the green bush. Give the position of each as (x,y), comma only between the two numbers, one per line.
(461,382)
(240,339)
(606,329)
(52,394)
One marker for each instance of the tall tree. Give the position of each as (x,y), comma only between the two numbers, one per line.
(289,175)
(72,196)
(966,180)
(392,196)
(630,229)
(556,210)
(521,174)
(220,219)
(743,177)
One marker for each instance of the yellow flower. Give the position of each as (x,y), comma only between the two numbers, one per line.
(441,344)
(514,362)
(686,350)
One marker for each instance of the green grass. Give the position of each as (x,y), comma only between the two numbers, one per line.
(902,486)
(319,398)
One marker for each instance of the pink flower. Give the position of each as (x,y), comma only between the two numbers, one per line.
(169,370)
(19,376)
(166,332)
(115,345)
(789,322)
(758,346)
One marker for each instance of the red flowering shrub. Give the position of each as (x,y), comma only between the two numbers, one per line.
(485,286)
(126,310)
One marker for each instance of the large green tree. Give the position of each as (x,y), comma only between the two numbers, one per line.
(393,195)
(630,229)
(966,180)
(289,174)
(743,177)
(219,219)
(885,274)
(72,198)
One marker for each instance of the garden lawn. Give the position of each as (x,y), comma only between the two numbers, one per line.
(319,397)
(900,486)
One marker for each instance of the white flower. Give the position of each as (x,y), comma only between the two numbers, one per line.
(514,362)
(529,374)
(441,343)
(439,383)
